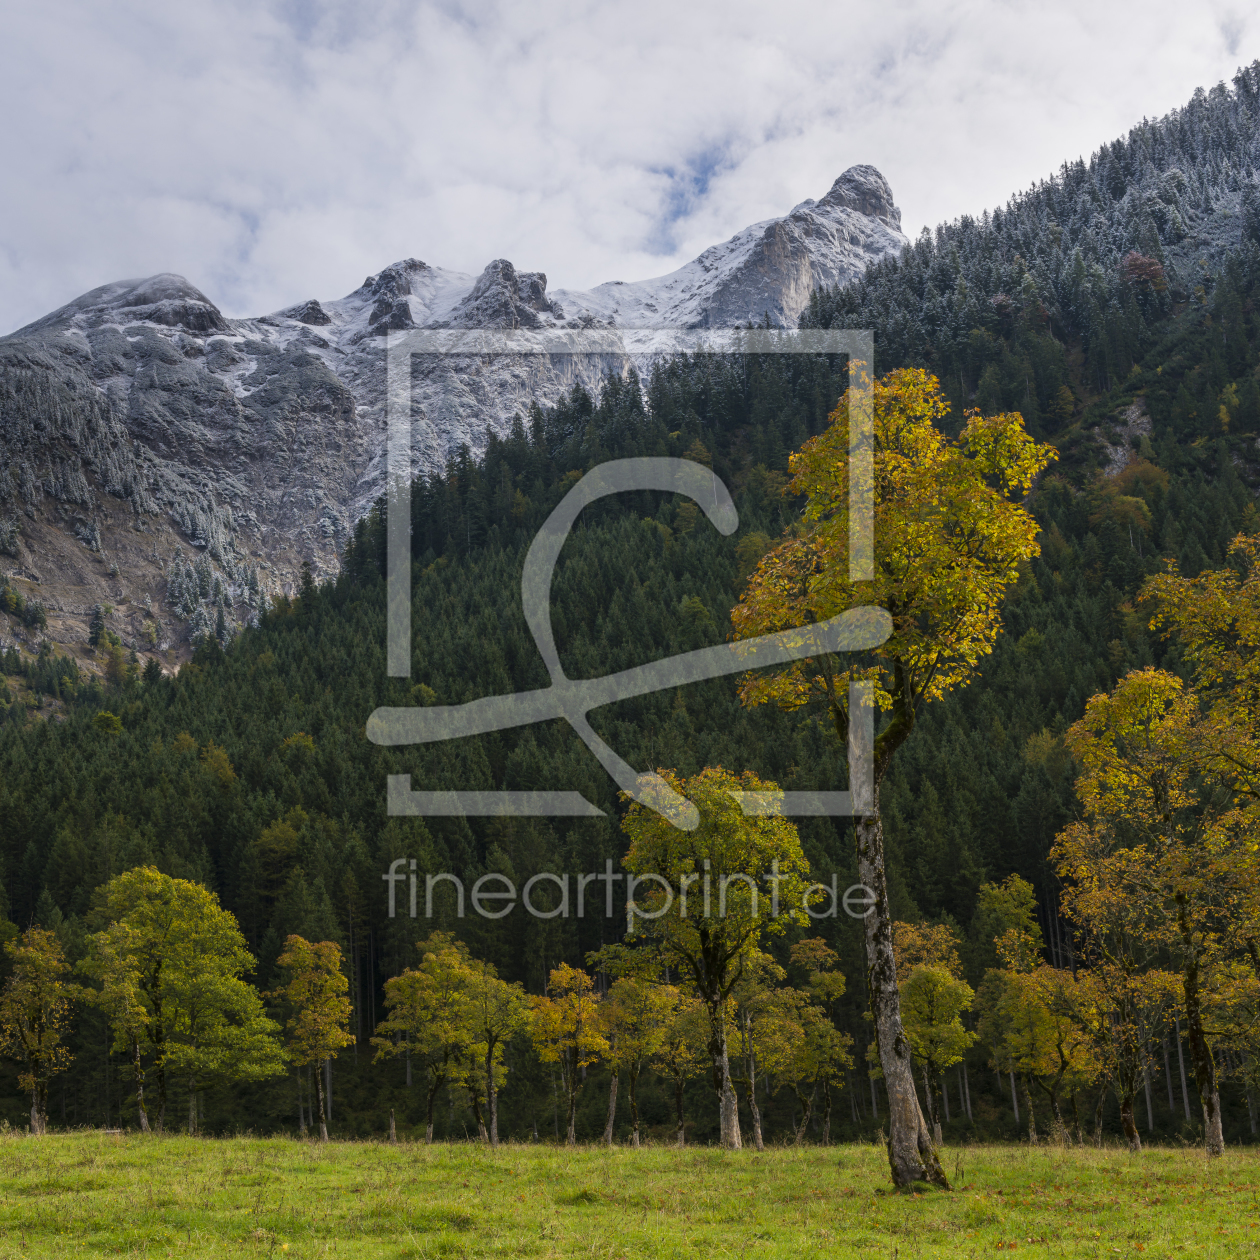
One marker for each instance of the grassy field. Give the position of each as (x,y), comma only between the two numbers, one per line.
(98,1194)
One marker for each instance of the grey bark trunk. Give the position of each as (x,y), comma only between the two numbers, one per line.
(492,1093)
(1181,1063)
(911,1155)
(1127,1123)
(728,1105)
(612,1109)
(393,1133)
(1032,1119)
(1200,1054)
(319,1096)
(750,1064)
(634,1105)
(144,1115)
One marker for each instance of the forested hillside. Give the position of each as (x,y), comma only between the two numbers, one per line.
(1083,305)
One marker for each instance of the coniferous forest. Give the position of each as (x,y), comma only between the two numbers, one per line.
(1116,307)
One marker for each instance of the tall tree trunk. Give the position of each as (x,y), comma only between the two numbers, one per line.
(435,1083)
(569,1078)
(911,1155)
(826,1133)
(393,1133)
(192,1106)
(1181,1064)
(1126,1119)
(750,1066)
(38,1124)
(728,1105)
(807,1108)
(319,1096)
(139,1070)
(933,1115)
(492,1093)
(610,1123)
(678,1108)
(966,1093)
(1014,1096)
(1200,1055)
(634,1104)
(1032,1119)
(474,1096)
(1098,1115)
(1172,1102)
(1150,1105)
(161,1114)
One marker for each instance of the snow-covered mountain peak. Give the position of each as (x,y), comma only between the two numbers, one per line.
(164,299)
(864,189)
(767,270)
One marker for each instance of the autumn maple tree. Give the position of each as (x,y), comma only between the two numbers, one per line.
(315,992)
(35,1015)
(635,1015)
(1167,843)
(711,894)
(494,1011)
(426,1018)
(950,534)
(682,1051)
(565,1028)
(170,964)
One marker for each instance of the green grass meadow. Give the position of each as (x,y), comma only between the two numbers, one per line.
(88,1194)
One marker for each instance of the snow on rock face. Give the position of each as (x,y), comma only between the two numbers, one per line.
(768,269)
(263,439)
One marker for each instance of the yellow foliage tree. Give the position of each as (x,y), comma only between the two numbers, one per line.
(316,994)
(565,1029)
(950,535)
(1166,841)
(683,1051)
(426,1016)
(35,1015)
(714,892)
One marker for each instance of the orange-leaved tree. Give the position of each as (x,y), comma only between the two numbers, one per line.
(316,994)
(565,1029)
(950,534)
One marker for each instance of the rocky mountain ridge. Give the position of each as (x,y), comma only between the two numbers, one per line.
(141,429)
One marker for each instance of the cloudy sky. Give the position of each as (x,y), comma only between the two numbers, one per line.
(273,150)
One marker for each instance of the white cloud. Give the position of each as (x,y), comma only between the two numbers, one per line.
(275,152)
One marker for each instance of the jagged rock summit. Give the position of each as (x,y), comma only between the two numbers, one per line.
(140,428)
